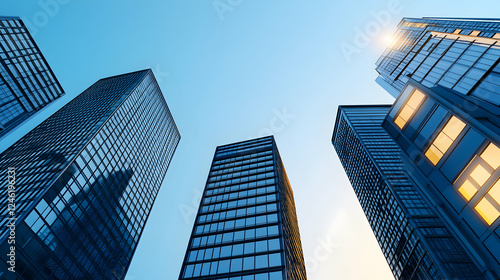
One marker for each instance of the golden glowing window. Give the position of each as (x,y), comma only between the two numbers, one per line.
(444,139)
(491,155)
(489,206)
(494,192)
(475,33)
(476,178)
(487,210)
(496,36)
(457,31)
(480,175)
(468,190)
(409,108)
(421,25)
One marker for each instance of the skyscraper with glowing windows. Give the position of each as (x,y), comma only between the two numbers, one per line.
(434,154)
(246,227)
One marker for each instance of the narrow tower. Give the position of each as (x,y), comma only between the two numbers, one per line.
(246,227)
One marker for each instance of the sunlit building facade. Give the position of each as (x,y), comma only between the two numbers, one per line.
(246,227)
(458,54)
(27,83)
(86,179)
(413,238)
(445,127)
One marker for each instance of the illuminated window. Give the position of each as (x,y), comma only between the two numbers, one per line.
(492,155)
(488,207)
(476,177)
(487,210)
(409,108)
(444,140)
(496,36)
(468,190)
(480,175)
(494,192)
(457,31)
(421,25)
(475,33)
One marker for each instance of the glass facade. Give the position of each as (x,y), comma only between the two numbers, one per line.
(451,144)
(27,83)
(414,239)
(86,179)
(442,136)
(458,54)
(246,227)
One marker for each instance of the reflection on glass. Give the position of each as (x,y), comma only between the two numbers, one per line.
(83,217)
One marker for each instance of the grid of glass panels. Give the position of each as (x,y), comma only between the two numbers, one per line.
(238,232)
(105,155)
(456,163)
(481,176)
(26,80)
(414,240)
(455,54)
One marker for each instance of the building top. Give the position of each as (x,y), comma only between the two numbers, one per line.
(27,83)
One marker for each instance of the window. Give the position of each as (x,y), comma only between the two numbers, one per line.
(444,139)
(478,175)
(479,170)
(475,33)
(489,206)
(408,110)
(487,210)
(491,155)
(457,31)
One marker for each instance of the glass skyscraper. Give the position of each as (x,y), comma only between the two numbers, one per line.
(27,83)
(458,54)
(413,238)
(445,127)
(85,181)
(246,227)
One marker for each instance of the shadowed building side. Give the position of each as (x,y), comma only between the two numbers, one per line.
(87,178)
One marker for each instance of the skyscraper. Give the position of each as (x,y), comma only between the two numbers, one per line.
(27,83)
(414,239)
(85,181)
(445,128)
(246,227)
(458,54)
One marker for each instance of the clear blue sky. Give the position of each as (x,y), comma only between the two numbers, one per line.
(232,70)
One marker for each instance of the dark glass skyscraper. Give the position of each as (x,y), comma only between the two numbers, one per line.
(86,179)
(27,83)
(445,126)
(246,227)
